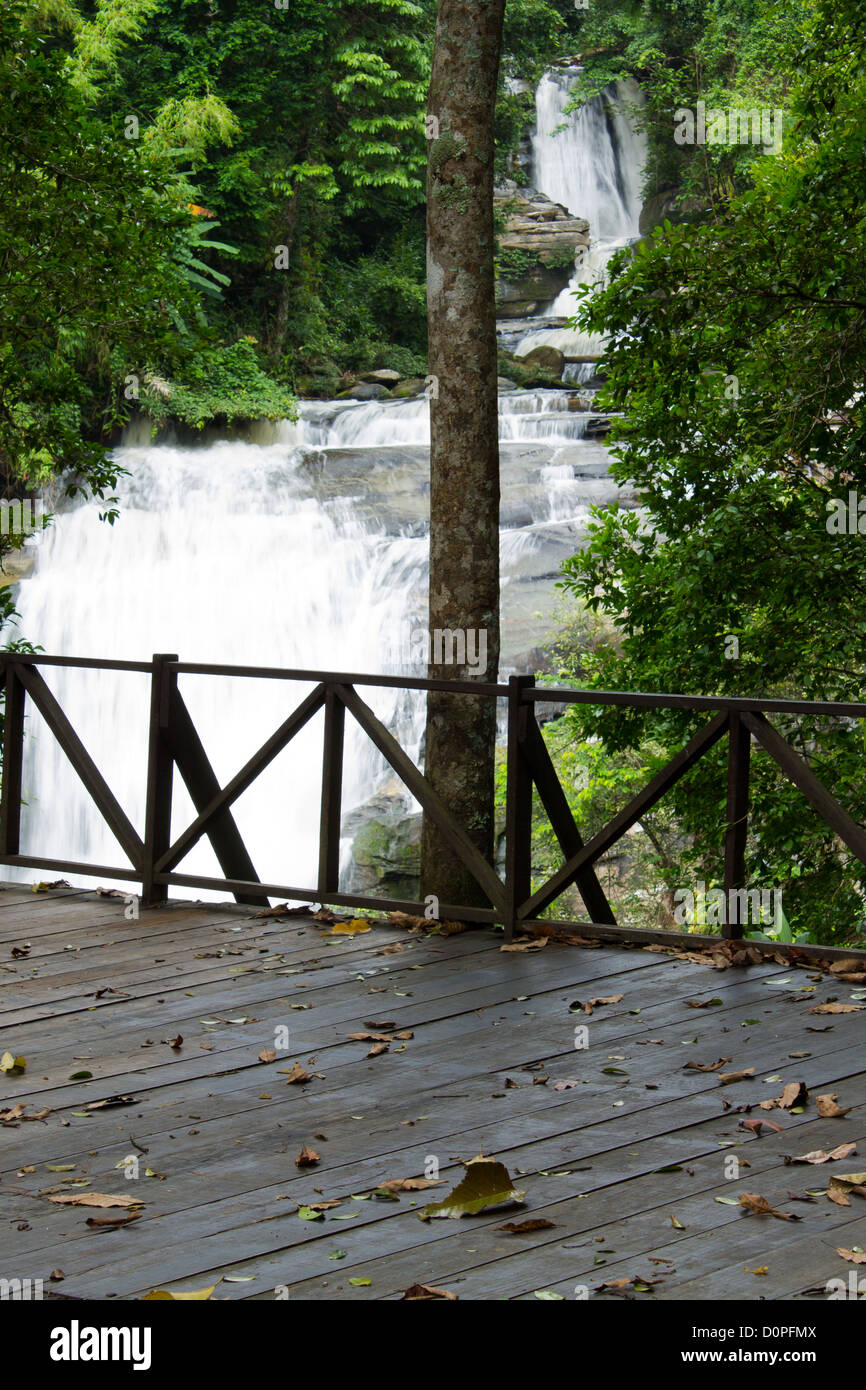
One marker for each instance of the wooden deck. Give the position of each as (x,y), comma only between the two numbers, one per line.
(628,1163)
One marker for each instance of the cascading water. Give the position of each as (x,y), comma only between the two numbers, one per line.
(306,549)
(591,161)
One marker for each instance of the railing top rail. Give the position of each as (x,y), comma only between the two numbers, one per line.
(531,694)
(648,700)
(97,663)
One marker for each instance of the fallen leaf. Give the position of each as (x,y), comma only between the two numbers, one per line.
(296,1074)
(378,1048)
(112,1222)
(111,1101)
(594,1003)
(701,1003)
(486,1183)
(706,1066)
(410,1184)
(180,1296)
(821,1155)
(854,1257)
(534,943)
(267,1054)
(419,1293)
(353,928)
(727,1078)
(759,1206)
(519,1228)
(97,1199)
(838,1009)
(307,1158)
(828,1109)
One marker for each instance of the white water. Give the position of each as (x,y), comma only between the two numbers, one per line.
(306,550)
(591,162)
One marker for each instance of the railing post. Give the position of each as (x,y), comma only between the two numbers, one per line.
(160,772)
(739,749)
(332,794)
(13,756)
(518,807)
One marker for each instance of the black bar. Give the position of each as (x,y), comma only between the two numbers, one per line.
(736,831)
(13,757)
(160,776)
(332,793)
(518,806)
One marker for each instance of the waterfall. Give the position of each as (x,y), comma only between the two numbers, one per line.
(308,550)
(306,547)
(591,161)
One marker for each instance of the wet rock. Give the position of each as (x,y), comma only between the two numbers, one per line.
(364,391)
(545,359)
(383,376)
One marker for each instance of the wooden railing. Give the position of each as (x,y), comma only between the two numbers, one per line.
(173,742)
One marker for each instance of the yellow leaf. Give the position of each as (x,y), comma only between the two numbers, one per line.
(353,928)
(182,1295)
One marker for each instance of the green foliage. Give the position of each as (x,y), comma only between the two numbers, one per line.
(89,234)
(737,355)
(728,53)
(222,384)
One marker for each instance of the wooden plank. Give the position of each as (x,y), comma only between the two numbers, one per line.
(682,763)
(803,777)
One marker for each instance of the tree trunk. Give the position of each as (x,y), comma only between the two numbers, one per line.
(281,322)
(464,452)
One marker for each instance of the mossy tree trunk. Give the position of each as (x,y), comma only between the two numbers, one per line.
(464,455)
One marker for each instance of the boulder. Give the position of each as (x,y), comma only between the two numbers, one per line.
(383,376)
(364,391)
(545,359)
(412,386)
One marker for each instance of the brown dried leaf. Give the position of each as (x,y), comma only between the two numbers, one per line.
(706,1066)
(835,1008)
(307,1158)
(409,1184)
(759,1206)
(422,1293)
(727,1078)
(594,1003)
(96,1199)
(854,1257)
(828,1109)
(267,1054)
(519,1228)
(297,1074)
(822,1156)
